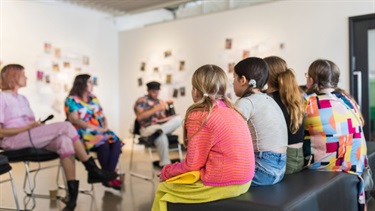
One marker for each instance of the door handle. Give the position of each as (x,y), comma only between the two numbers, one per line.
(359,86)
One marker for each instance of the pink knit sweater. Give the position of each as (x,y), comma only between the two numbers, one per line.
(222,150)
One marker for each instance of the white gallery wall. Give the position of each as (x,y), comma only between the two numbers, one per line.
(26,25)
(308,30)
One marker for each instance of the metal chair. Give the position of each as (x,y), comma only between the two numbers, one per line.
(174,145)
(28,155)
(4,168)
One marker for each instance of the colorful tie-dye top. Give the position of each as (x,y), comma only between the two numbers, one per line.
(334,134)
(92,113)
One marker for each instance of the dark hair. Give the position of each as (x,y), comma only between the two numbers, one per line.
(79,85)
(10,75)
(252,68)
(325,74)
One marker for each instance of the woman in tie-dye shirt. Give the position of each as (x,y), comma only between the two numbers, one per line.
(334,139)
(85,113)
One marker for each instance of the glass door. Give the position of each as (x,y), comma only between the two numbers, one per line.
(362,68)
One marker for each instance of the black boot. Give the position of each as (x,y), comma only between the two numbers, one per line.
(96,174)
(71,198)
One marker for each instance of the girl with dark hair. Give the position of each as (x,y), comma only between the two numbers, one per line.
(19,129)
(83,110)
(334,136)
(283,88)
(218,146)
(264,118)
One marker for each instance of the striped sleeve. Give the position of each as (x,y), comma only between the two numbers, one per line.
(199,144)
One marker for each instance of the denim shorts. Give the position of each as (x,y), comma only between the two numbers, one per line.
(269,168)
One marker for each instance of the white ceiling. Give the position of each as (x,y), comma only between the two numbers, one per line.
(123,7)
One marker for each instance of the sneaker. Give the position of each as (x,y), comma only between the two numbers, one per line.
(112,184)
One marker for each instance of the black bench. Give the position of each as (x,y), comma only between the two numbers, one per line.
(306,190)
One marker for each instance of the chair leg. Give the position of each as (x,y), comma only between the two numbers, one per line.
(27,177)
(134,174)
(180,152)
(14,190)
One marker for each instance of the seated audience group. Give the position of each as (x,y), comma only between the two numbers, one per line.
(274,128)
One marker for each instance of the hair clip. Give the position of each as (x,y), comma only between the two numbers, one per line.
(205,95)
(253,82)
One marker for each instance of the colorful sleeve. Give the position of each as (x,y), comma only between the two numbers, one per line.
(70,105)
(200,141)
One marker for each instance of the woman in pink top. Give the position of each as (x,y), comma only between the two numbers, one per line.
(218,146)
(18,129)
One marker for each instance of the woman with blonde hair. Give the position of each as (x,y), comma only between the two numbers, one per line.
(283,88)
(218,146)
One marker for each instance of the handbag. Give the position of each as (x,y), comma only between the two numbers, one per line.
(367,178)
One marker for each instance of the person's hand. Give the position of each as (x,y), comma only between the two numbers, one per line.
(161,106)
(102,130)
(160,180)
(34,124)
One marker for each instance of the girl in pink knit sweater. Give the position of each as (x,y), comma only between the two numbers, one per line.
(218,144)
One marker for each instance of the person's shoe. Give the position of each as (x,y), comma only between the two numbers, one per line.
(97,175)
(112,184)
(71,198)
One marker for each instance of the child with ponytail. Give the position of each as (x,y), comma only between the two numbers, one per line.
(264,118)
(218,146)
(283,88)
(334,136)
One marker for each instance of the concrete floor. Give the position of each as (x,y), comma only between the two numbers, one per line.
(137,194)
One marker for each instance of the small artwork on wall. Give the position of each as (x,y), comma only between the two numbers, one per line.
(143,66)
(168,79)
(140,82)
(77,69)
(95,80)
(47,48)
(66,65)
(85,60)
(182,91)
(231,67)
(156,69)
(245,54)
(282,46)
(47,78)
(182,66)
(175,93)
(57,53)
(56,67)
(39,75)
(167,53)
(228,43)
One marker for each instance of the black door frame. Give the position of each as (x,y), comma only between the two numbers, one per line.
(356,52)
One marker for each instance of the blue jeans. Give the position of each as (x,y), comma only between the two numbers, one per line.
(269,168)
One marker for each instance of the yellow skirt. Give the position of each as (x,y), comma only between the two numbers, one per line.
(194,193)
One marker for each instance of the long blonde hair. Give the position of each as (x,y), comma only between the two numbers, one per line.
(210,81)
(282,78)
